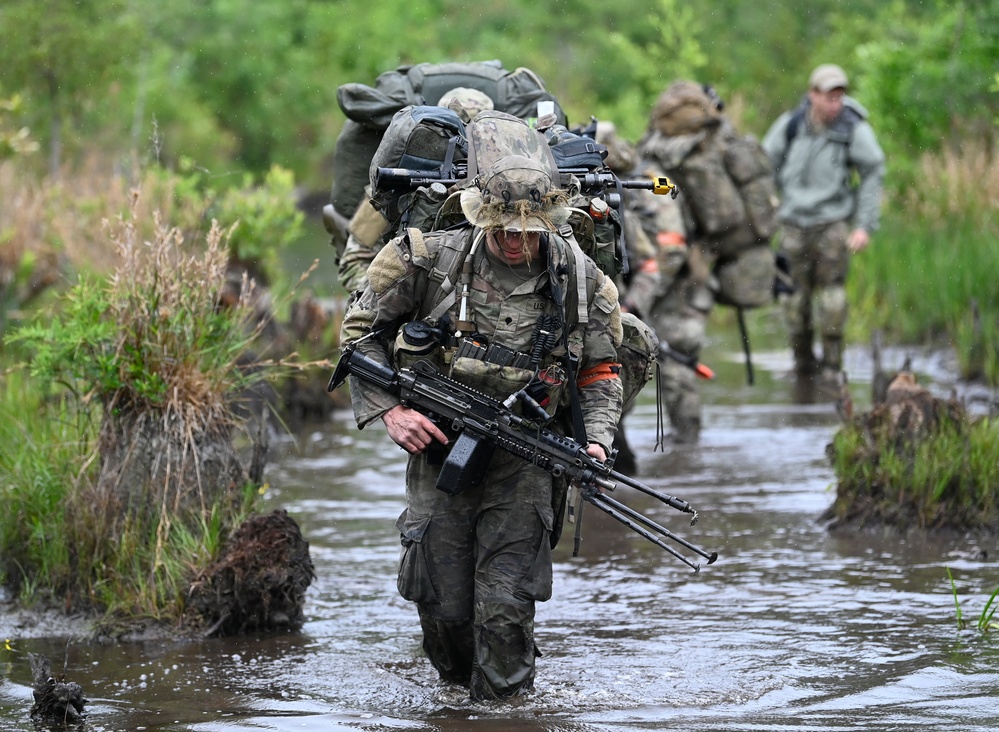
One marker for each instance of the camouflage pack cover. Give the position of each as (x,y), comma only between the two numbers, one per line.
(637,355)
(418,138)
(469,102)
(683,109)
(495,134)
(726,178)
(747,280)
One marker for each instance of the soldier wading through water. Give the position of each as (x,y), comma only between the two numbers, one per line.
(476,563)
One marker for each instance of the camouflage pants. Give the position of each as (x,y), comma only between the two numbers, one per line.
(819,261)
(680,318)
(475,564)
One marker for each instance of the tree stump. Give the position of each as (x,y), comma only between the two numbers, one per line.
(258,582)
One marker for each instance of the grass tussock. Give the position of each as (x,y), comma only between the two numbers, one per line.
(942,476)
(147,483)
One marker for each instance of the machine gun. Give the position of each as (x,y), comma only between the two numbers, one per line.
(484,423)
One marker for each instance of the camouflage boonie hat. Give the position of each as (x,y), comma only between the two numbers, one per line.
(471,100)
(515,194)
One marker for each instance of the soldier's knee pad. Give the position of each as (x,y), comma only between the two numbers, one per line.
(832,310)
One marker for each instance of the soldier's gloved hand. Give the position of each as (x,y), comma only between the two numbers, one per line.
(410,430)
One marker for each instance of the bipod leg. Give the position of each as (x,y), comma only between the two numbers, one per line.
(598,500)
(671,501)
(628,516)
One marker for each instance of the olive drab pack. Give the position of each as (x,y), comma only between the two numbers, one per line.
(728,189)
(370,110)
(419,138)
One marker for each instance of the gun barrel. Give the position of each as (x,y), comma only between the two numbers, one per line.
(407,178)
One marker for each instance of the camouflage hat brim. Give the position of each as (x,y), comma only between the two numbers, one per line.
(515,215)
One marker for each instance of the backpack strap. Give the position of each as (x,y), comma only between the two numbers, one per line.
(445,273)
(579,266)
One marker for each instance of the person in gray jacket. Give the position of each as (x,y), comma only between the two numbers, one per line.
(830,170)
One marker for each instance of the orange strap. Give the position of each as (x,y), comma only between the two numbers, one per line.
(649,266)
(670,239)
(597,373)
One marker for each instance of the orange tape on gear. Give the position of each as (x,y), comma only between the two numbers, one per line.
(649,266)
(671,239)
(600,372)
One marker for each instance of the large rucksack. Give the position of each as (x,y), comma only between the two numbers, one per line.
(370,110)
(727,185)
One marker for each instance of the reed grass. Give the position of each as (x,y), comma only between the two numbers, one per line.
(984,622)
(149,354)
(931,274)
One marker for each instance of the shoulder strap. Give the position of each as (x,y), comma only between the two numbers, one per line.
(791,131)
(445,273)
(579,271)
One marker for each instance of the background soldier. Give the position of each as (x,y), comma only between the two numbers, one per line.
(715,246)
(826,212)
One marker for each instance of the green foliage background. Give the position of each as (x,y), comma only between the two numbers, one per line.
(239,85)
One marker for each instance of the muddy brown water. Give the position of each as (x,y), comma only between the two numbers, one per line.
(791,629)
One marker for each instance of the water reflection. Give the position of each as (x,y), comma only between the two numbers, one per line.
(792,628)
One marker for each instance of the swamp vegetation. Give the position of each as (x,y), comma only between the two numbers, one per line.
(139,363)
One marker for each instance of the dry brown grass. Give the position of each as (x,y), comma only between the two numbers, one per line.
(57,222)
(956,182)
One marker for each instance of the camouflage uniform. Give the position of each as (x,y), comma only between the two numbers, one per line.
(476,563)
(680,313)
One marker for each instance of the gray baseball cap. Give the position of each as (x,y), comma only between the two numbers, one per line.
(827,77)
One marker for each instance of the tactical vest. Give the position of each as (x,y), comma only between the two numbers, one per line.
(443,255)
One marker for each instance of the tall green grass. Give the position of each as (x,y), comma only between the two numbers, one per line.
(931,274)
(55,549)
(40,462)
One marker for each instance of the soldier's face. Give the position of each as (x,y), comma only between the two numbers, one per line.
(514,247)
(826,105)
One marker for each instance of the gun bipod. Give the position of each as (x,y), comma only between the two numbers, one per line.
(640,524)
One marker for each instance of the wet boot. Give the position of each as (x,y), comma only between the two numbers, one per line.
(449,646)
(504,651)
